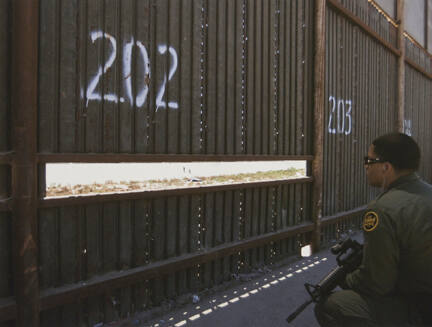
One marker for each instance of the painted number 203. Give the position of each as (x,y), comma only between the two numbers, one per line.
(340,119)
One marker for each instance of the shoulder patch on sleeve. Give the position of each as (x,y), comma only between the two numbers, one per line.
(370,221)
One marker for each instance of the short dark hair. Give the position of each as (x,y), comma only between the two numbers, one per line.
(399,149)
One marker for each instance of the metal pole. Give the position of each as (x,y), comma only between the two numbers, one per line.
(319,83)
(426,25)
(25,28)
(401,65)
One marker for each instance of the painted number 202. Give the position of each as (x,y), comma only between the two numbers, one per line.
(140,98)
(340,120)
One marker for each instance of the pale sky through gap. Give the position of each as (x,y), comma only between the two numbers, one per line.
(87,173)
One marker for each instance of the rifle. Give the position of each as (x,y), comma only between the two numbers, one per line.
(349,256)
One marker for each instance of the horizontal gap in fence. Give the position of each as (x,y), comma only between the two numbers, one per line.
(91,199)
(356,20)
(418,68)
(72,179)
(5,205)
(341,216)
(68,294)
(138,158)
(6,158)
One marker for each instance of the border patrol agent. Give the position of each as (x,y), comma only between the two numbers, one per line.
(393,285)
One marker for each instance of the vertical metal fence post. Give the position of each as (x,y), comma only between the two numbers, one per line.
(319,84)
(401,65)
(25,29)
(426,25)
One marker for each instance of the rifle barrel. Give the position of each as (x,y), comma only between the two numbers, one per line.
(293,315)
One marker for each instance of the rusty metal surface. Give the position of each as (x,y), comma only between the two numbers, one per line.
(71,293)
(418,115)
(199,189)
(360,104)
(7,311)
(418,68)
(400,14)
(95,239)
(195,80)
(5,205)
(118,158)
(5,180)
(24,88)
(418,100)
(319,100)
(334,227)
(418,58)
(6,158)
(341,225)
(341,229)
(55,297)
(168,80)
(171,77)
(6,278)
(364,14)
(5,63)
(341,216)
(161,221)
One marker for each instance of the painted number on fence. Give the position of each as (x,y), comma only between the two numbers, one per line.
(340,119)
(142,91)
(407,127)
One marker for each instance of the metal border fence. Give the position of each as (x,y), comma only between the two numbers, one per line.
(190,80)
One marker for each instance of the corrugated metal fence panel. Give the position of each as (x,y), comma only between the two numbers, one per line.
(361,94)
(418,102)
(78,243)
(332,233)
(371,16)
(5,63)
(169,76)
(418,115)
(418,56)
(6,281)
(5,91)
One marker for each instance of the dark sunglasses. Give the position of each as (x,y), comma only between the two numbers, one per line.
(370,161)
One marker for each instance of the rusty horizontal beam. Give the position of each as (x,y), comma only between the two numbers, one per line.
(112,197)
(72,293)
(5,204)
(129,157)
(418,68)
(330,220)
(6,158)
(357,21)
(7,309)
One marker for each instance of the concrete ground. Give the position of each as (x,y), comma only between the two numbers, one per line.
(265,301)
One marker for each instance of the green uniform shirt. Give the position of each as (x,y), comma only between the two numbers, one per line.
(397,227)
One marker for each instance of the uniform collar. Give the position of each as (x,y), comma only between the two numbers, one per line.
(400,181)
(404,179)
